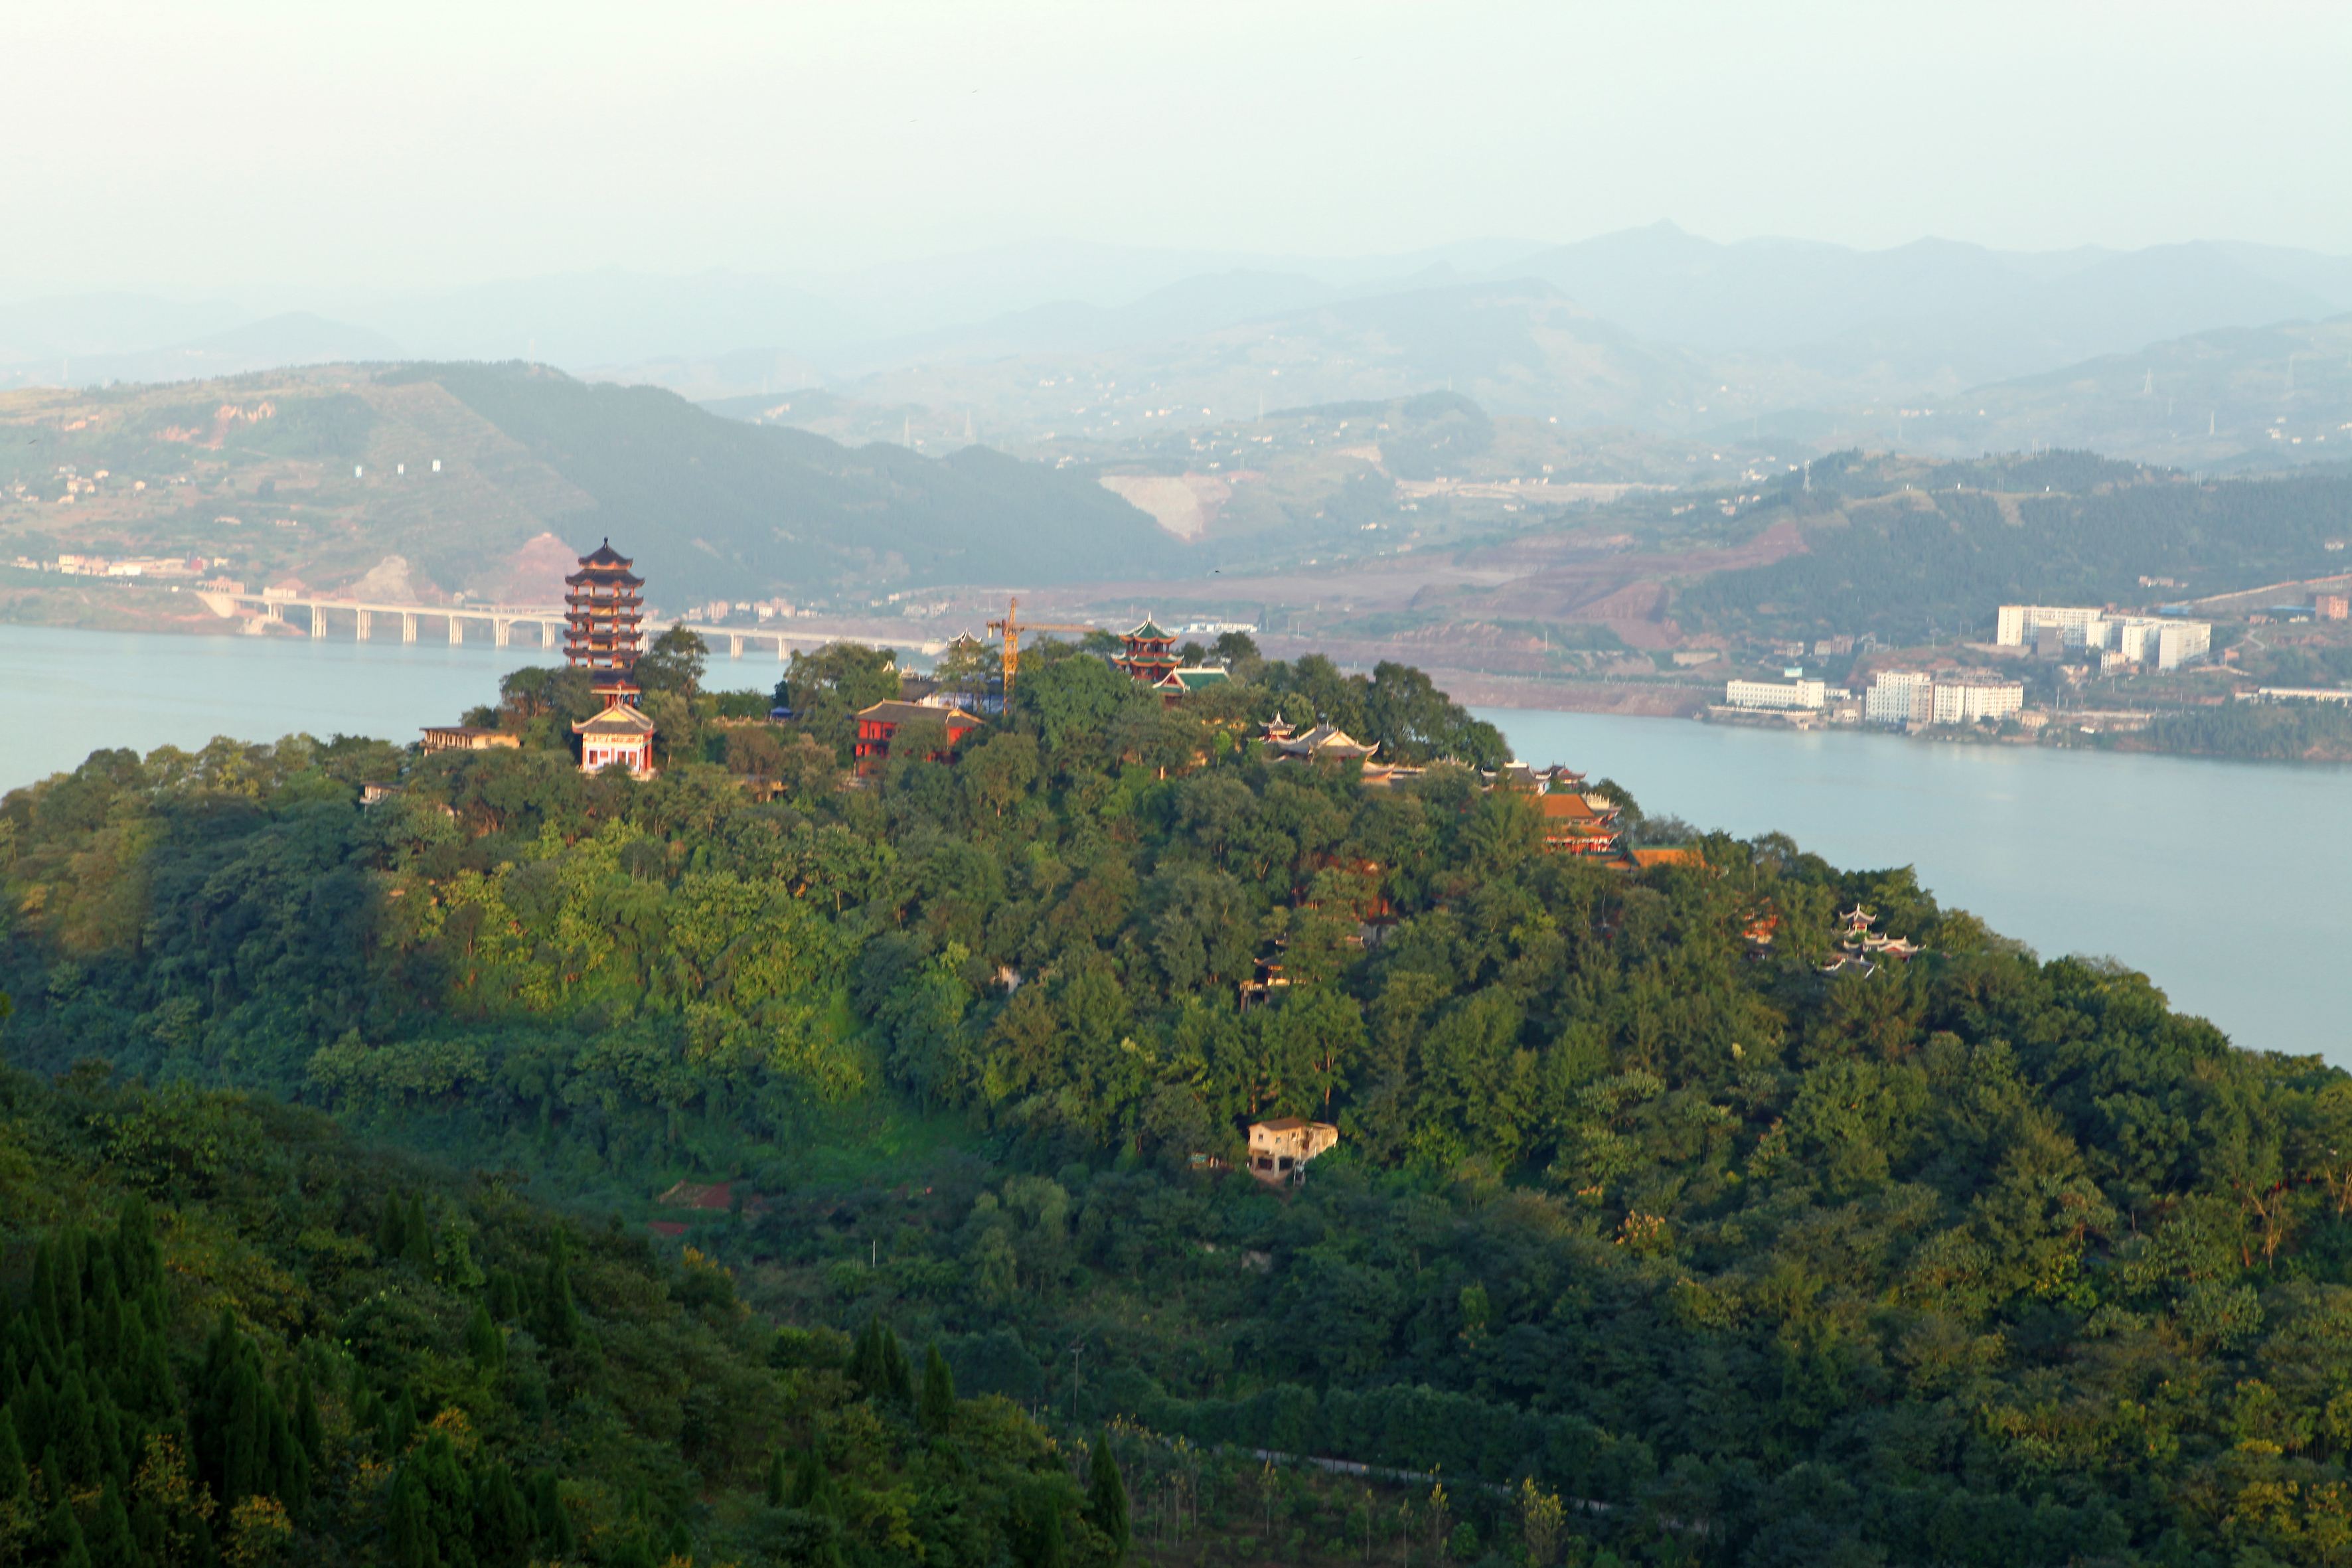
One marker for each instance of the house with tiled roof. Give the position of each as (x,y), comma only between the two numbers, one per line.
(877,724)
(1323,744)
(1576,823)
(1185,679)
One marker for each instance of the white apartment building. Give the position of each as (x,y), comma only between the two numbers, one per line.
(1900,696)
(2144,640)
(2018,623)
(1780,694)
(1970,701)
(2161,644)
(1911,696)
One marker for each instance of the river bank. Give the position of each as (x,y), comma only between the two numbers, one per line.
(2231,886)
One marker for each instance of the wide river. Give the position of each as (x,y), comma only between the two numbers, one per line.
(2230,883)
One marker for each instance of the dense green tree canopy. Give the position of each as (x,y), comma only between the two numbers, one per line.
(1971,1259)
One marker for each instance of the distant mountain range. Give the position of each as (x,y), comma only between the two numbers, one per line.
(322,475)
(2233,399)
(1650,327)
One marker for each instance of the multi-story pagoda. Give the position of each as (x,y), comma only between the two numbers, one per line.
(1150,654)
(605,615)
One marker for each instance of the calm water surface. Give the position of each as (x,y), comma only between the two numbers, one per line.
(2229,884)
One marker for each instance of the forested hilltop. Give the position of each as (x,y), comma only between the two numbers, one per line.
(1644,1236)
(232,1338)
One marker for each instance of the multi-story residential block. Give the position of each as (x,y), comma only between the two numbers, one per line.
(1898,697)
(2154,642)
(1973,701)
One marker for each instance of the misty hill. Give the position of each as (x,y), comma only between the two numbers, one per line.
(320,475)
(1515,347)
(295,338)
(1906,550)
(1027,344)
(2239,397)
(1933,309)
(35,334)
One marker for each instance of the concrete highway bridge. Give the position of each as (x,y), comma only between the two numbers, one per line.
(498,621)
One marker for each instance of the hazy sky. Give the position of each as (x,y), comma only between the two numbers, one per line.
(422,143)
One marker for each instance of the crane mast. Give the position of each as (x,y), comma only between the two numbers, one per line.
(1011,627)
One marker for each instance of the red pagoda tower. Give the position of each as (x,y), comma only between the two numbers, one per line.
(604,613)
(1150,653)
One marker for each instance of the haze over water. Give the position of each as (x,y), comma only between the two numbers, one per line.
(2226,882)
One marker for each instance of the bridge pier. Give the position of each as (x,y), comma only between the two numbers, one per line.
(501,631)
(457,631)
(547,633)
(407,627)
(734,645)
(318,621)
(364,625)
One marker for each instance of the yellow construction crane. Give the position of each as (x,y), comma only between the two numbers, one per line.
(1011,627)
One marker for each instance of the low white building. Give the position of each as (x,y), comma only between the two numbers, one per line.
(1775,694)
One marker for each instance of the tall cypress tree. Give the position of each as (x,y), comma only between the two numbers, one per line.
(1040,1542)
(864,1354)
(31,1410)
(898,1372)
(559,1317)
(47,1314)
(418,1246)
(399,1424)
(408,1523)
(73,1432)
(110,1541)
(286,1469)
(392,1230)
(138,1261)
(310,1430)
(14,1480)
(808,1482)
(60,1535)
(485,1347)
(243,1435)
(937,1410)
(502,1524)
(550,1518)
(1106,1505)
